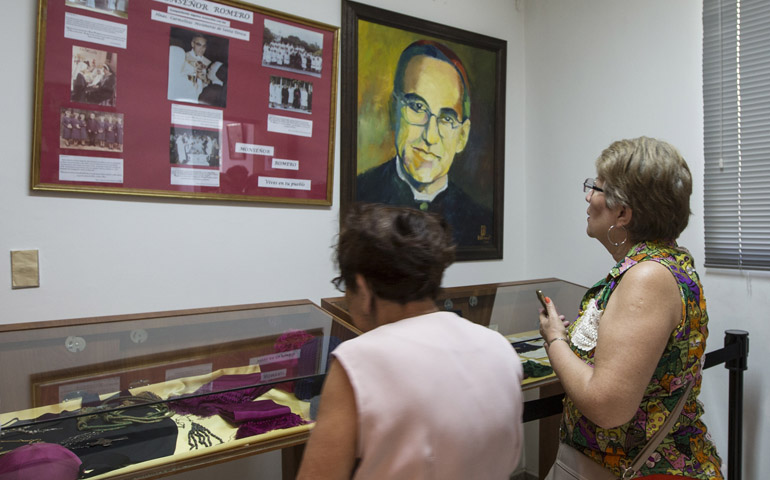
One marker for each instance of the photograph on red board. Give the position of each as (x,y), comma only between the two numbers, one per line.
(291,94)
(291,48)
(94,76)
(91,130)
(194,147)
(197,67)
(118,8)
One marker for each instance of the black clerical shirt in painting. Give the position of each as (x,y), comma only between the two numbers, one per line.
(471,222)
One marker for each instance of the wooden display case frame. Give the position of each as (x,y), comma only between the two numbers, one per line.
(51,333)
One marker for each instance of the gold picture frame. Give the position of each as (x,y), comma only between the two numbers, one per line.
(184,100)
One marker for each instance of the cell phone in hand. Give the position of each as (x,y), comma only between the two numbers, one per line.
(541,297)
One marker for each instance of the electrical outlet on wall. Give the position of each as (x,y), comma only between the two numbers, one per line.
(25,271)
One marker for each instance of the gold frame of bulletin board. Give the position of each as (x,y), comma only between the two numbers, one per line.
(210,100)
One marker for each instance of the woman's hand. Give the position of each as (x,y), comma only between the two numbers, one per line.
(552,325)
(633,332)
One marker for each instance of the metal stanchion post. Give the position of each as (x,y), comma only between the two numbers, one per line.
(736,339)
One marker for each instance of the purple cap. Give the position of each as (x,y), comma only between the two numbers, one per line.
(39,460)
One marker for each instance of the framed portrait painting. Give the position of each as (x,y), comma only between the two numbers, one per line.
(423,122)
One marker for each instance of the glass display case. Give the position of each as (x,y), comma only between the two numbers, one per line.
(155,394)
(511,308)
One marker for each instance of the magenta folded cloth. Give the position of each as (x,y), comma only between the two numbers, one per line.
(222,396)
(226,382)
(39,461)
(251,411)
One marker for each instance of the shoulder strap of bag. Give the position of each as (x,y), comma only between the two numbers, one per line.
(642,457)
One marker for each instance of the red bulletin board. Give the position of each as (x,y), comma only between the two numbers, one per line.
(184,98)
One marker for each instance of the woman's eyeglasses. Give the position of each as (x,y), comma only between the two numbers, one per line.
(590,184)
(339,283)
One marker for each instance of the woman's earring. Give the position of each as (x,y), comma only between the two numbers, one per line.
(609,236)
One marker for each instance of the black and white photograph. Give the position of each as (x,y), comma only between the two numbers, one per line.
(91,130)
(287,47)
(194,147)
(118,8)
(197,67)
(291,94)
(94,76)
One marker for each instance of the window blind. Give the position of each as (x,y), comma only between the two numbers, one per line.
(736,98)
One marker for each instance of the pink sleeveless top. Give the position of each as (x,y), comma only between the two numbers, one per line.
(437,397)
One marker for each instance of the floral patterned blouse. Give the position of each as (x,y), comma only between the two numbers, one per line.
(688,451)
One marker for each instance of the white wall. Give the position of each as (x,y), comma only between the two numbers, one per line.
(581,73)
(600,70)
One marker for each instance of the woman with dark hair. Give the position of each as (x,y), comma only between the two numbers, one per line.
(83,130)
(423,393)
(75,134)
(110,136)
(632,360)
(66,128)
(119,133)
(79,84)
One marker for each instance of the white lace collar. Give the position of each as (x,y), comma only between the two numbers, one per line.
(586,329)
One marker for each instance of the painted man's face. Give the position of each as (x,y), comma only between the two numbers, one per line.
(430,129)
(199,46)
